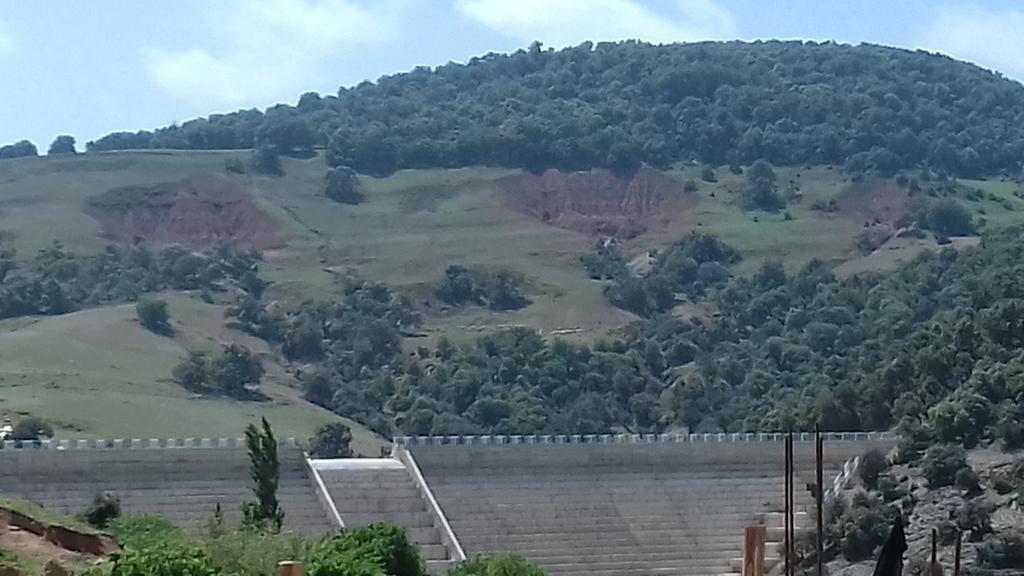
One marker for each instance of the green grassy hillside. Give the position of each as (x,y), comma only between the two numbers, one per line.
(415,223)
(98,374)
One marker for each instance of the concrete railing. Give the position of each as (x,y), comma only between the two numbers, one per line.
(635,438)
(448,537)
(842,479)
(135,444)
(322,494)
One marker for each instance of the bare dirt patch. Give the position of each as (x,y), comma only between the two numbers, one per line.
(43,549)
(873,201)
(597,202)
(197,212)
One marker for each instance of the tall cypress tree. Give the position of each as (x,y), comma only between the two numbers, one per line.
(265,472)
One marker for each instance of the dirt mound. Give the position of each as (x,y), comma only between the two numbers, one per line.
(197,212)
(873,201)
(595,202)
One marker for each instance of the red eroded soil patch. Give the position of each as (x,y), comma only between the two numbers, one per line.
(196,212)
(874,201)
(597,202)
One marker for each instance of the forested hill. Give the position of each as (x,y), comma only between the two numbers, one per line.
(615,105)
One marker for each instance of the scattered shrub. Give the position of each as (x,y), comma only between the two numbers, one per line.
(342,185)
(860,525)
(707,174)
(235,166)
(872,465)
(267,161)
(941,464)
(31,428)
(975,517)
(103,509)
(968,481)
(498,290)
(1005,551)
(332,441)
(503,565)
(690,186)
(153,315)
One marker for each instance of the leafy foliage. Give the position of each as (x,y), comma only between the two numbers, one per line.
(342,185)
(103,509)
(153,315)
(496,289)
(63,144)
(19,149)
(332,441)
(931,348)
(872,465)
(942,464)
(31,428)
(502,565)
(761,192)
(975,517)
(229,373)
(163,561)
(377,550)
(689,266)
(265,473)
(140,532)
(616,105)
(859,525)
(1005,551)
(57,281)
(267,161)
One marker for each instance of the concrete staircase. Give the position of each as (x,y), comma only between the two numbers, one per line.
(182,484)
(370,491)
(671,508)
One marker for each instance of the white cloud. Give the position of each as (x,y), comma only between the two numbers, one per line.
(269,49)
(565,22)
(8,43)
(990,39)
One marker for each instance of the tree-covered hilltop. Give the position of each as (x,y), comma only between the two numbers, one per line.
(615,105)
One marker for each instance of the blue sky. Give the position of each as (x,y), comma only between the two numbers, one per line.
(90,67)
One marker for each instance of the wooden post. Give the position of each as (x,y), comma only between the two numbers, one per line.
(819,457)
(785,513)
(934,569)
(753,551)
(290,568)
(956,558)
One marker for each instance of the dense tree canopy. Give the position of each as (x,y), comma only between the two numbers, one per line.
(934,347)
(57,281)
(618,104)
(19,149)
(63,144)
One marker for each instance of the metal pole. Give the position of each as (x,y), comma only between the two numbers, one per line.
(792,506)
(935,551)
(819,458)
(956,558)
(787,506)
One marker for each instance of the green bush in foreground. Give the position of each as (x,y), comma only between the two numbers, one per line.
(140,532)
(504,565)
(164,561)
(376,550)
